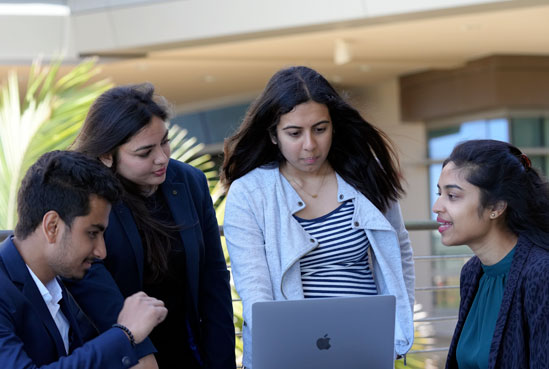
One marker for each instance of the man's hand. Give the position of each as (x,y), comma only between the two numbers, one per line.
(140,314)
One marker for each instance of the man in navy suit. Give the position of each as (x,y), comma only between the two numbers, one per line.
(63,207)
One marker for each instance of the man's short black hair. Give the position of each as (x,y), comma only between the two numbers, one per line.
(62,181)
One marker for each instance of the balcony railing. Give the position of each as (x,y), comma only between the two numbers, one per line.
(410,226)
(4,234)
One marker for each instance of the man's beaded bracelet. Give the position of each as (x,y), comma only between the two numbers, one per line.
(127,331)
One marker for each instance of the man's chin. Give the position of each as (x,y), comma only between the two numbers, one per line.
(74,276)
(84,272)
(80,275)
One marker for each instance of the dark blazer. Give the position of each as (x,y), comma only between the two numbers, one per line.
(121,273)
(29,337)
(521,335)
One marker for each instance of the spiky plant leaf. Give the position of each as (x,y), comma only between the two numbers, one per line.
(186,149)
(47,116)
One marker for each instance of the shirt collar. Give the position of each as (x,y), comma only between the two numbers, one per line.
(51,292)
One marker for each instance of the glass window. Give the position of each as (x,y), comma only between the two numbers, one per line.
(194,124)
(532,132)
(442,141)
(212,126)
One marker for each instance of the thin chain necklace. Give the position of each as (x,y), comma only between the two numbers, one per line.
(312,195)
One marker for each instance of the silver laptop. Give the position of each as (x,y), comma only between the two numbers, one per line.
(346,332)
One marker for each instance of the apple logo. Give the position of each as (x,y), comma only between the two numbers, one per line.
(323,343)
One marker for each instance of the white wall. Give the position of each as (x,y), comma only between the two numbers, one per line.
(25,37)
(127,24)
(116,26)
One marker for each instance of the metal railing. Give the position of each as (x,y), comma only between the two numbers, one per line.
(424,226)
(410,226)
(4,234)
(420,226)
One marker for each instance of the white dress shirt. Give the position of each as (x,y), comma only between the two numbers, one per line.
(52,294)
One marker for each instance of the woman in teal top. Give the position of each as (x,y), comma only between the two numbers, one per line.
(474,343)
(492,200)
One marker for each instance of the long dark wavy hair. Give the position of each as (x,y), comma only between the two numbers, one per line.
(503,173)
(113,119)
(360,153)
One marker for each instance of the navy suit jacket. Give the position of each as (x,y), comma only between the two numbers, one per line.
(29,337)
(100,294)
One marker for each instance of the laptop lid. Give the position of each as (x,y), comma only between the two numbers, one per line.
(342,332)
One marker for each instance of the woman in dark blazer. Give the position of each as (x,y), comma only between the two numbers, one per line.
(162,238)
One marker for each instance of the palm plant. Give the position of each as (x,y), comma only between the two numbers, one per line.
(186,149)
(47,117)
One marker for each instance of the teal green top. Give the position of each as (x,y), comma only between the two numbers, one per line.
(473,349)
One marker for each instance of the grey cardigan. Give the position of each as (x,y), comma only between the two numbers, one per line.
(266,242)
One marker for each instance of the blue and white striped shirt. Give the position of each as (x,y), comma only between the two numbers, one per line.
(339,265)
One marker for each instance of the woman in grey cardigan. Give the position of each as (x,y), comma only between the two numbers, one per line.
(312,207)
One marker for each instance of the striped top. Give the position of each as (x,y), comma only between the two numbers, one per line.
(339,265)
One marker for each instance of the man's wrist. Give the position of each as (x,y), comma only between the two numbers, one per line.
(127,331)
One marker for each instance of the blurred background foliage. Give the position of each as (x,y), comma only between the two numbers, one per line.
(45,115)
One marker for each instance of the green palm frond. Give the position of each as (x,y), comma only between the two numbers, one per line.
(187,150)
(46,117)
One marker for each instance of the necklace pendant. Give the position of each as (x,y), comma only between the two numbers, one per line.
(314,196)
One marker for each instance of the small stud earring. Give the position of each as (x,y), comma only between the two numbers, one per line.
(493,215)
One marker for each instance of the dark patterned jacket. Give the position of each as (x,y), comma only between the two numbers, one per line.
(521,335)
